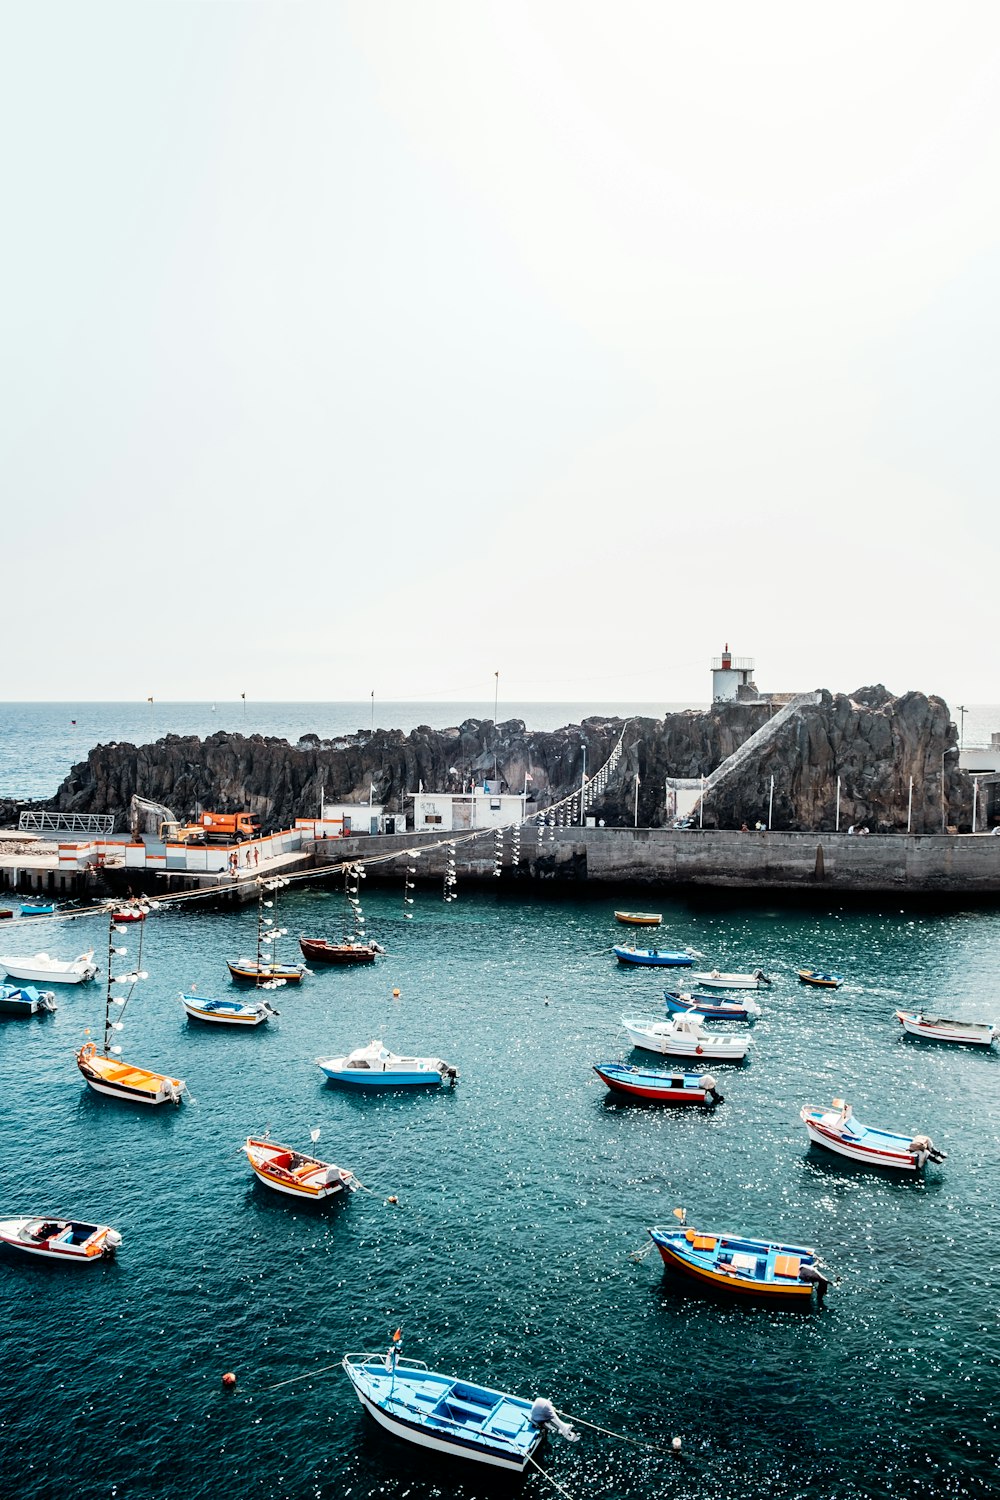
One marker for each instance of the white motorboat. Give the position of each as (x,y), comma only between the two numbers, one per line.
(375,1066)
(837,1130)
(293,1172)
(228,1012)
(711,979)
(41,968)
(685,1036)
(60,1239)
(938,1029)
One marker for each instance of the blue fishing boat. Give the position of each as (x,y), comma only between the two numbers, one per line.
(449,1415)
(837,1130)
(374,1066)
(653,1086)
(821,979)
(33,910)
(228,1012)
(25,1000)
(746,1267)
(653,957)
(711,1006)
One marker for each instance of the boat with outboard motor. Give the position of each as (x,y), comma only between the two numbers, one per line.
(820,979)
(639,918)
(40,968)
(293,1172)
(939,1029)
(450,1415)
(736,1264)
(228,1012)
(319,951)
(653,1086)
(25,1000)
(653,958)
(685,1036)
(711,979)
(837,1130)
(710,1006)
(374,1066)
(264,971)
(68,1240)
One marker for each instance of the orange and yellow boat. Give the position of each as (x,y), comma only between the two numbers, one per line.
(290,1171)
(639,918)
(735,1264)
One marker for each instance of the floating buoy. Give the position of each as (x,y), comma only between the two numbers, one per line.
(395,994)
(392,1199)
(229,1380)
(675,1444)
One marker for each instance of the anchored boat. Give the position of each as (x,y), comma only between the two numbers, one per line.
(374,1066)
(292,1172)
(711,979)
(938,1029)
(448,1415)
(745,1267)
(652,957)
(41,969)
(711,1007)
(26,1000)
(265,972)
(319,951)
(837,1130)
(685,1036)
(68,1240)
(639,918)
(228,1012)
(820,979)
(656,1087)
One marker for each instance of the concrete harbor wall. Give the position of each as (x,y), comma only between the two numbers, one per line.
(964,864)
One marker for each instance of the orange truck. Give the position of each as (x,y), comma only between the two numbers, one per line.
(225,828)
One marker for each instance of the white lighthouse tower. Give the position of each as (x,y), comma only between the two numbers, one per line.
(730,674)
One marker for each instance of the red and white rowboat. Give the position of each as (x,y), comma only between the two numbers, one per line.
(289,1171)
(938,1029)
(60,1239)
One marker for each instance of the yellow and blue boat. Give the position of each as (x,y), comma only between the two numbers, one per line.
(734,1263)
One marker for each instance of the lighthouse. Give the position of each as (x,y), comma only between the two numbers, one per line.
(732,677)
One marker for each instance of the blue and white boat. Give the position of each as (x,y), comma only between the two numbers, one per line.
(374,1066)
(228,1012)
(837,1130)
(653,1086)
(37,909)
(711,1006)
(734,1263)
(653,958)
(450,1415)
(25,1000)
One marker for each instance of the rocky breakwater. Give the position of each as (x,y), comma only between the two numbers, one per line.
(877,745)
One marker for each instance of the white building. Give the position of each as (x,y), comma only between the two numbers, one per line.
(729,674)
(483,807)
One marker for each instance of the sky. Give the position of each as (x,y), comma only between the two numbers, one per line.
(384,346)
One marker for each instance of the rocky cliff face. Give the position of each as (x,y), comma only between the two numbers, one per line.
(872,741)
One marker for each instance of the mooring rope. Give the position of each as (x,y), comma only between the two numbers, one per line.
(622,1436)
(545,1475)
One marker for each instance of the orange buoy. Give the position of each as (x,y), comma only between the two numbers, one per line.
(395,994)
(229,1379)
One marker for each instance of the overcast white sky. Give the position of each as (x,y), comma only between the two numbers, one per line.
(383,346)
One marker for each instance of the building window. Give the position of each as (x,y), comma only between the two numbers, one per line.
(432,817)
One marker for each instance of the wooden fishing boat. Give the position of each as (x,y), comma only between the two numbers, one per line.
(41,969)
(657,1087)
(318,950)
(374,1066)
(711,1007)
(820,979)
(106,1072)
(685,1036)
(939,1029)
(292,1172)
(653,957)
(69,1240)
(264,971)
(639,918)
(129,914)
(837,1130)
(228,1012)
(26,1000)
(37,909)
(711,979)
(449,1415)
(744,1267)
(265,975)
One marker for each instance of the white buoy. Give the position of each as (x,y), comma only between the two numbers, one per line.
(675,1444)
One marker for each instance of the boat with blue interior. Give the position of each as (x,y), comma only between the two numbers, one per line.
(653,958)
(449,1415)
(228,1012)
(820,979)
(68,1240)
(836,1129)
(710,1006)
(653,1086)
(25,1000)
(940,1029)
(737,1264)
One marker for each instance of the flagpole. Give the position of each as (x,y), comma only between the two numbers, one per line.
(496,699)
(637,799)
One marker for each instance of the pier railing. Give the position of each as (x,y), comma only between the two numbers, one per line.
(88,824)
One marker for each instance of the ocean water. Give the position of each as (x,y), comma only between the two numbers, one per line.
(521,1195)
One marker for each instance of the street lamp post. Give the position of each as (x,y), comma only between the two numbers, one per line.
(961,733)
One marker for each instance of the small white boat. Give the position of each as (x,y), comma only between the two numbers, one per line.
(375,1066)
(938,1029)
(711,979)
(290,1171)
(60,1239)
(228,1012)
(685,1036)
(40,968)
(837,1130)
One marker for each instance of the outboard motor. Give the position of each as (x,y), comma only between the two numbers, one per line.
(925,1147)
(111,1242)
(543,1414)
(708,1083)
(815,1275)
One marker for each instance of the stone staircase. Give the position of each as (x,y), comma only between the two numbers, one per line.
(747,751)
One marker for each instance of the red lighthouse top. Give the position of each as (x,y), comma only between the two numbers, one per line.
(727,659)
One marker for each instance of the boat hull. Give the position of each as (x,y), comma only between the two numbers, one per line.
(251,974)
(290,1172)
(969,1034)
(713,1010)
(714,981)
(676,1256)
(820,981)
(639,918)
(651,959)
(652,1088)
(86,1244)
(120,1080)
(75,971)
(223,1015)
(898,1157)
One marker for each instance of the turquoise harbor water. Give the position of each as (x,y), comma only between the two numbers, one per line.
(520,1197)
